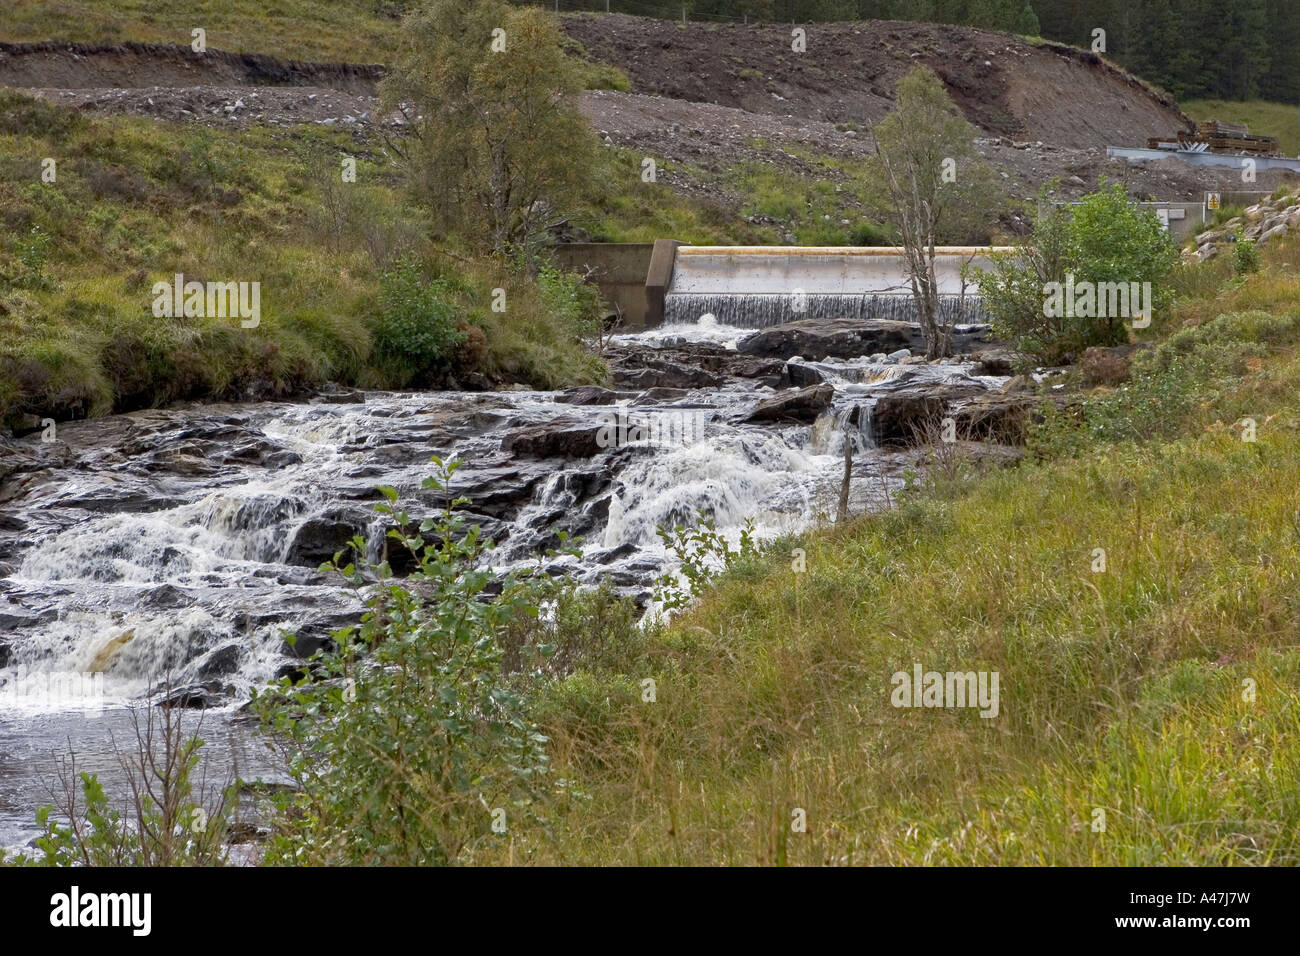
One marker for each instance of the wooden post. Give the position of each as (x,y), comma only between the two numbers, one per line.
(848,467)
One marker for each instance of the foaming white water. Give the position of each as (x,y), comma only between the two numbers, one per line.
(120,657)
(735,476)
(706,329)
(129,548)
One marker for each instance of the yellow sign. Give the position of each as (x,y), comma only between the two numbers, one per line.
(1212,200)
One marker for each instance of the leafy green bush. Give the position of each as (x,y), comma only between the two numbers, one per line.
(411,746)
(867,233)
(1102,239)
(575,303)
(1245,256)
(417,320)
(704,554)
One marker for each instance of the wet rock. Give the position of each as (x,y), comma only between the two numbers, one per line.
(614,554)
(222,662)
(167,596)
(913,416)
(590,395)
(194,696)
(801,405)
(563,438)
(761,371)
(818,339)
(660,373)
(307,642)
(319,538)
(799,375)
(6,655)
(994,362)
(343,396)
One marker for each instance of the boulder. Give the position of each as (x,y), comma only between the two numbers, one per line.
(800,376)
(818,339)
(320,537)
(997,418)
(994,362)
(195,696)
(563,438)
(801,405)
(222,662)
(1270,234)
(908,417)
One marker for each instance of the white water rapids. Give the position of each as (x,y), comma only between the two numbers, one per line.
(177,546)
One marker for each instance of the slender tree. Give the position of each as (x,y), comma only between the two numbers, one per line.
(926,173)
(491,100)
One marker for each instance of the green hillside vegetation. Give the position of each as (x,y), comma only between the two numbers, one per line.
(352,31)
(1162,690)
(136,202)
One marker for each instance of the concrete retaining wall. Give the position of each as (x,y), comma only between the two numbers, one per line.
(620,271)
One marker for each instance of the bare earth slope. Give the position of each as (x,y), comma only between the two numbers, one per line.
(708,96)
(1004,84)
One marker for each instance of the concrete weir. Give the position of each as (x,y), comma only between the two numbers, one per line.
(759,286)
(755,286)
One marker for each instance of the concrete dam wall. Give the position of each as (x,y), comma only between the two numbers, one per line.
(757,286)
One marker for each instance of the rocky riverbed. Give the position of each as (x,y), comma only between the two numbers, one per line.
(177,546)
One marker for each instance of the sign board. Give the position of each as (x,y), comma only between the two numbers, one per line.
(1212,200)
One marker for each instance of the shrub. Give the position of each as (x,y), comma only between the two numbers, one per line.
(416,321)
(1102,239)
(411,746)
(869,234)
(1245,256)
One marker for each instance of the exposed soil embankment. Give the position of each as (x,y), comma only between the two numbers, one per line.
(708,96)
(1004,84)
(136,65)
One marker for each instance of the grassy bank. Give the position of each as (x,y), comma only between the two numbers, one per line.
(135,202)
(353,31)
(1161,691)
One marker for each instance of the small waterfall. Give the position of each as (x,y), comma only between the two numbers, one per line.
(835,426)
(766,309)
(734,476)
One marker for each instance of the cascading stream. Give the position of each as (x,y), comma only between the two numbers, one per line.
(178,546)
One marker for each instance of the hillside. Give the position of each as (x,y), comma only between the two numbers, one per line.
(765,144)
(1006,85)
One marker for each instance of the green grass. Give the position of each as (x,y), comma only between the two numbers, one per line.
(1281,120)
(137,201)
(340,30)
(1162,691)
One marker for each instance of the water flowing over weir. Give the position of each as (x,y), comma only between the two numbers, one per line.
(758,286)
(180,545)
(764,309)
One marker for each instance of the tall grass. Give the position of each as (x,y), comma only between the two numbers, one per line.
(1148,714)
(135,203)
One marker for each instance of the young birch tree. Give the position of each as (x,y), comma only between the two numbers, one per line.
(927,175)
(498,142)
